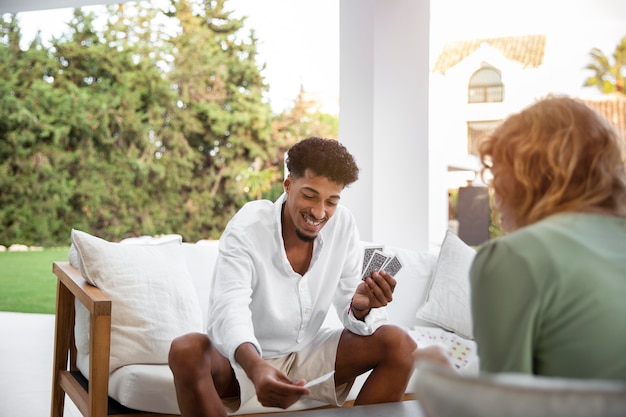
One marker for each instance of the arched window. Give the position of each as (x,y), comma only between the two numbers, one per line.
(485,86)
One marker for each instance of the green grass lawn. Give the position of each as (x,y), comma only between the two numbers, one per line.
(27,284)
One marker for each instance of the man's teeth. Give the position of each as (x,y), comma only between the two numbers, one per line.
(311,222)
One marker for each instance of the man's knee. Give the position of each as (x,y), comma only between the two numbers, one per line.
(396,340)
(187,351)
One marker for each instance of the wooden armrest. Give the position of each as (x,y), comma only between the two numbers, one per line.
(72,286)
(90,296)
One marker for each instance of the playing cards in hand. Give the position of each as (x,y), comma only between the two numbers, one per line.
(375,260)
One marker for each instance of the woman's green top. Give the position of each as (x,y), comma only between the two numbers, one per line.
(550,298)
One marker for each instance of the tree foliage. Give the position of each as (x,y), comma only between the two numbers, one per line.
(608,74)
(133,128)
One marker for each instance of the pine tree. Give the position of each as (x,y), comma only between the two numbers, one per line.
(221,111)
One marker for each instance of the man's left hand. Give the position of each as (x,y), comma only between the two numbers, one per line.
(375,291)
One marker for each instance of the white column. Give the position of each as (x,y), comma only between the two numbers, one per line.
(383,119)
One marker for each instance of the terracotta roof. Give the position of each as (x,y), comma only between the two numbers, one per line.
(612,107)
(528,50)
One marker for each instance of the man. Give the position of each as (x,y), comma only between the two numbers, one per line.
(280,266)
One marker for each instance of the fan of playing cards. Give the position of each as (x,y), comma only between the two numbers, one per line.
(375,259)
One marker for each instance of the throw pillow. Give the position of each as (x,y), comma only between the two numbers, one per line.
(413,281)
(444,393)
(448,300)
(153,296)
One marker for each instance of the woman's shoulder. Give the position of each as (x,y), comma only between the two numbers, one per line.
(553,241)
(527,245)
(556,226)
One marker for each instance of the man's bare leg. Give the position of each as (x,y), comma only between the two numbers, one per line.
(389,353)
(202,376)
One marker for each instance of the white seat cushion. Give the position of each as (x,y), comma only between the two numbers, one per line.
(151,388)
(144,387)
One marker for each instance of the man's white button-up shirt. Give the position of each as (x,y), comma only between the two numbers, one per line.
(258,297)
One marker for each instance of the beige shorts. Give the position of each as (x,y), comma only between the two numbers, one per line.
(315,360)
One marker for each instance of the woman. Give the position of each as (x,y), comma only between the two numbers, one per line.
(549,298)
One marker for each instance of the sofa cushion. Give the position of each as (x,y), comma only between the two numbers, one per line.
(201,258)
(144,387)
(448,300)
(153,296)
(412,283)
(151,388)
(444,393)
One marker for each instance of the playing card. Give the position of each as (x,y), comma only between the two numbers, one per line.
(376,262)
(392,266)
(367,255)
(318,380)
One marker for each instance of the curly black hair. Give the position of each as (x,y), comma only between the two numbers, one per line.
(325,157)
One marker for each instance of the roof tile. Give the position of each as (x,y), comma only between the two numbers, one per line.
(612,107)
(528,50)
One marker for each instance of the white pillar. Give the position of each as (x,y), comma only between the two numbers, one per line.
(383,119)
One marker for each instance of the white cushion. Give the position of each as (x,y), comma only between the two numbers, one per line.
(145,387)
(444,393)
(412,283)
(154,299)
(448,300)
(201,258)
(151,388)
(152,240)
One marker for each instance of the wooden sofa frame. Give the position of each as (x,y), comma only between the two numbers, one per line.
(90,397)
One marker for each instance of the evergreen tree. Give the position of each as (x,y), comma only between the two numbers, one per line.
(221,111)
(32,138)
(122,186)
(153,122)
(302,120)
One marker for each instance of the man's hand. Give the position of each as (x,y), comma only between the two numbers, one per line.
(273,387)
(375,291)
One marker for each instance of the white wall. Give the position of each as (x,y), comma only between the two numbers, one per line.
(383,120)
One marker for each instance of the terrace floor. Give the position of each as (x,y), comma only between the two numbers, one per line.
(26,343)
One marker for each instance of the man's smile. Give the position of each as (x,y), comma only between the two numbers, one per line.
(312,221)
